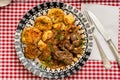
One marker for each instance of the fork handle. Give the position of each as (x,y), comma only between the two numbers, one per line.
(105,60)
(114,50)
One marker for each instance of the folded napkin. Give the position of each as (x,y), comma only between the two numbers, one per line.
(4,2)
(109,17)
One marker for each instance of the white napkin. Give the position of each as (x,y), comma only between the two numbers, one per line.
(4,2)
(109,17)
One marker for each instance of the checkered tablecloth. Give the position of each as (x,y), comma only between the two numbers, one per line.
(10,66)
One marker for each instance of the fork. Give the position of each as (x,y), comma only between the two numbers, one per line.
(105,60)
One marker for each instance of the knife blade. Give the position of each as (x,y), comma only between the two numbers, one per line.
(106,37)
(99,26)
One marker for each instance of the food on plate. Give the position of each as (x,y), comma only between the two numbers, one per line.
(56,15)
(69,19)
(59,26)
(31,35)
(32,52)
(54,39)
(47,35)
(43,23)
(42,45)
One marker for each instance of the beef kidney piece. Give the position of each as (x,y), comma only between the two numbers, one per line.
(68,45)
(45,55)
(64,56)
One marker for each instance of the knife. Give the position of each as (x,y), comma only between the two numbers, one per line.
(106,37)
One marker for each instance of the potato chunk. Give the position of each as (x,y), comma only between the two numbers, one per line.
(57,26)
(31,35)
(69,19)
(56,15)
(31,52)
(42,45)
(47,35)
(60,26)
(43,23)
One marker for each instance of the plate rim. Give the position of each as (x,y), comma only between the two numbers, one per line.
(19,54)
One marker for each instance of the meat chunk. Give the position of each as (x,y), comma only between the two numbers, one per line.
(31,52)
(45,55)
(76,43)
(64,56)
(68,45)
(73,37)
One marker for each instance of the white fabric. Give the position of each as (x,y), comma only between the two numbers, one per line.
(109,17)
(4,2)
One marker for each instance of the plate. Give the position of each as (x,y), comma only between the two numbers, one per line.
(34,66)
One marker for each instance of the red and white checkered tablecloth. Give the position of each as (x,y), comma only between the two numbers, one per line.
(10,66)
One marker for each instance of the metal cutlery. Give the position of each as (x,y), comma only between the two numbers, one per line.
(100,28)
(105,60)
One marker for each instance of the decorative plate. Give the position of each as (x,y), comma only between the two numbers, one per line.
(33,65)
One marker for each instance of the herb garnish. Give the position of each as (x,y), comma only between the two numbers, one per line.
(82,43)
(60,37)
(51,47)
(59,31)
(77,37)
(48,59)
(43,64)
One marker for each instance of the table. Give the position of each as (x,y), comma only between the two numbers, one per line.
(10,66)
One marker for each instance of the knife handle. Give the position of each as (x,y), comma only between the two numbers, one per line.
(114,50)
